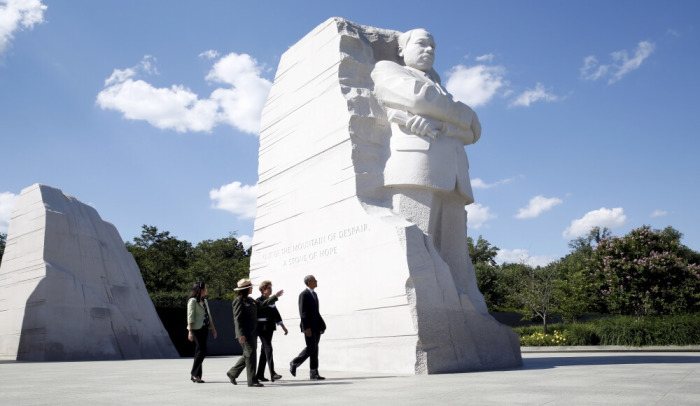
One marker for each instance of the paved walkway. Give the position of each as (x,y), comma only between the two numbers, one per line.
(611,378)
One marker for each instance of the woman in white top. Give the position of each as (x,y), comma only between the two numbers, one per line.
(199,322)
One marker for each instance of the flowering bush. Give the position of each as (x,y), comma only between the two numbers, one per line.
(643,273)
(539,339)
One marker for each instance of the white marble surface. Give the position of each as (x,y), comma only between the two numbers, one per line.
(69,289)
(389,301)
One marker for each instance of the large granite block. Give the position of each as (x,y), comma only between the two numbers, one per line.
(391,301)
(69,289)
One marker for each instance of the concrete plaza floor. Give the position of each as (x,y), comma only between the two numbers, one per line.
(557,378)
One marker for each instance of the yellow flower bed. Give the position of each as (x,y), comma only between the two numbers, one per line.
(539,339)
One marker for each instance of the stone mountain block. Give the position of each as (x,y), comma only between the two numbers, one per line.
(69,289)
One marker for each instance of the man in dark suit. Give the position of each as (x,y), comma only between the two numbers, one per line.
(312,325)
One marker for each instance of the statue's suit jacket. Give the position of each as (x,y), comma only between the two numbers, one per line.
(415,160)
(309,313)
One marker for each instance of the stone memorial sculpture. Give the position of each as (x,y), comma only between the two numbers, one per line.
(427,168)
(363,182)
(69,289)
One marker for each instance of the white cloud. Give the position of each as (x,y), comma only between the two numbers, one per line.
(7,204)
(530,96)
(621,64)
(591,63)
(236,198)
(485,58)
(627,64)
(147,65)
(659,213)
(475,85)
(478,215)
(17,15)
(537,206)
(242,103)
(209,54)
(522,256)
(239,104)
(478,183)
(603,217)
(120,76)
(246,240)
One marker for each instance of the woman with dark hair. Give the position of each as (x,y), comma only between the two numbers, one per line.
(199,322)
(245,320)
(268,320)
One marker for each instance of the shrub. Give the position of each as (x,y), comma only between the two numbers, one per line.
(637,332)
(581,334)
(626,331)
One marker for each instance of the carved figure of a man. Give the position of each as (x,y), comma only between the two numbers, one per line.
(428,168)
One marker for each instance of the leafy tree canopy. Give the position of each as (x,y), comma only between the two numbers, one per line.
(586,244)
(168,264)
(162,259)
(647,272)
(482,251)
(220,263)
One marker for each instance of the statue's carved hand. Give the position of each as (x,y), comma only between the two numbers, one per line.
(424,126)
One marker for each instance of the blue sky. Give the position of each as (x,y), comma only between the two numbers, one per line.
(149,110)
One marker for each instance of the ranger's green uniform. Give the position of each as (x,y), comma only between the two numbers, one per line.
(245,321)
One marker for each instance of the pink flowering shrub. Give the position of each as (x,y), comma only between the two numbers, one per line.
(646,273)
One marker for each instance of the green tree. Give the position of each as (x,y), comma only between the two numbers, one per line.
(575,288)
(220,263)
(488,277)
(162,259)
(585,244)
(3,240)
(534,288)
(489,284)
(687,254)
(647,272)
(482,251)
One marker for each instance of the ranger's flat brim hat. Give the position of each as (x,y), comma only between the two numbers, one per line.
(244,284)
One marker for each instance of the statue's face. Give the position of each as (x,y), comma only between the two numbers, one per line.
(419,52)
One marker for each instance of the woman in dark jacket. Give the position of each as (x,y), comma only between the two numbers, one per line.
(268,320)
(199,322)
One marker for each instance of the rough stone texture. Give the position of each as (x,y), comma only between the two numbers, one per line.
(390,303)
(69,289)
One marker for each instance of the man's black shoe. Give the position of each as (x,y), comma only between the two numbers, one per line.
(316,377)
(262,379)
(292,369)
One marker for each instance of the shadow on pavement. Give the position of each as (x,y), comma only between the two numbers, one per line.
(553,362)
